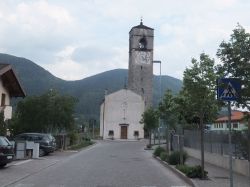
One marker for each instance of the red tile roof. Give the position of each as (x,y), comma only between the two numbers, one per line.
(235,116)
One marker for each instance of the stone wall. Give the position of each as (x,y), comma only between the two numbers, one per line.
(239,166)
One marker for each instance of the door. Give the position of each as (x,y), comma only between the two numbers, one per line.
(124,132)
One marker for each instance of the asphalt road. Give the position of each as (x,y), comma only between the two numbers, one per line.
(106,164)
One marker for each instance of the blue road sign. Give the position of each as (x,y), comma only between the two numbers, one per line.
(228,89)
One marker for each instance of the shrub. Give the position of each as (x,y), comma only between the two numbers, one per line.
(183,168)
(195,172)
(158,150)
(87,139)
(174,157)
(74,137)
(163,156)
(191,171)
(149,146)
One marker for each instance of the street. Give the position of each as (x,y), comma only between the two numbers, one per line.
(106,164)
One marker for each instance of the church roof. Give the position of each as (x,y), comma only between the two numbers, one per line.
(127,92)
(141,26)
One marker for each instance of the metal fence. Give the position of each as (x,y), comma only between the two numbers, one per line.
(217,142)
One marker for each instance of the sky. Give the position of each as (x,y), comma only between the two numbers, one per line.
(75,39)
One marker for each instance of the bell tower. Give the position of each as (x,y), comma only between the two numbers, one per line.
(140,75)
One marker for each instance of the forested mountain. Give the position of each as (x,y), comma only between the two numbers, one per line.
(89,91)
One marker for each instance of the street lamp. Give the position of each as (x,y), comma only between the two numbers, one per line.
(103,114)
(159,62)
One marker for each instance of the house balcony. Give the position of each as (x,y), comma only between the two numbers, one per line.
(7,112)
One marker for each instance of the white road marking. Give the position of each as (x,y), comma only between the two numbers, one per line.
(21,162)
(71,151)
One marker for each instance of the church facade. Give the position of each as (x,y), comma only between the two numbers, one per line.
(121,111)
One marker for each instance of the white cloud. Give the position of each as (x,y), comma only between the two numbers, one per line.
(71,66)
(77,39)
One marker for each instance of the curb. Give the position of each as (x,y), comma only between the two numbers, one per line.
(177,172)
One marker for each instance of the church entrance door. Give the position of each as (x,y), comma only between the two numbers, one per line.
(124,132)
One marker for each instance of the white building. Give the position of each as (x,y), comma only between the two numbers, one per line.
(237,122)
(9,87)
(120,117)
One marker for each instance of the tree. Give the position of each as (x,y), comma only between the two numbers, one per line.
(199,85)
(167,112)
(150,121)
(47,113)
(235,58)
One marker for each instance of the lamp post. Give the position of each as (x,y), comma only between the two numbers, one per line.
(103,114)
(159,62)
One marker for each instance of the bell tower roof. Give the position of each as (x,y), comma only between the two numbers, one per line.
(141,26)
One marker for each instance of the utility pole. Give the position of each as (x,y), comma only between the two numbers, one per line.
(103,113)
(228,89)
(230,144)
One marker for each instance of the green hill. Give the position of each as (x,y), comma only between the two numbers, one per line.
(89,91)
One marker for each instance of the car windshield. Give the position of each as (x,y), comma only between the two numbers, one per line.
(4,141)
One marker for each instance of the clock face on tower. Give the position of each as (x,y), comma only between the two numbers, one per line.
(142,57)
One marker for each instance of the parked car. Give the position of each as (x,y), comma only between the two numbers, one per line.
(47,143)
(6,151)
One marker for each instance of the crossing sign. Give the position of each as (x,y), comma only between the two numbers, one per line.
(228,89)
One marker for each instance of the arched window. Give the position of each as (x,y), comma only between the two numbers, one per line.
(143,43)
(142,91)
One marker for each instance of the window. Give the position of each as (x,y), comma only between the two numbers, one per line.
(111,133)
(235,125)
(136,133)
(142,43)
(3,100)
(142,91)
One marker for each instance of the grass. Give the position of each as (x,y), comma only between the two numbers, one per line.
(81,145)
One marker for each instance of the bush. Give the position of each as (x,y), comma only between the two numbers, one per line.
(74,137)
(191,171)
(149,146)
(163,156)
(158,150)
(183,168)
(86,139)
(195,172)
(174,157)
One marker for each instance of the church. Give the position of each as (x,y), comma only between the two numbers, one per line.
(121,111)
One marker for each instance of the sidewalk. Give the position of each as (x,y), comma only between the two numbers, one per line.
(218,177)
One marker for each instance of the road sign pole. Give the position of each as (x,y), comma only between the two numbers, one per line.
(230,144)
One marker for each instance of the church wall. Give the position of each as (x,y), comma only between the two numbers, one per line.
(122,107)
